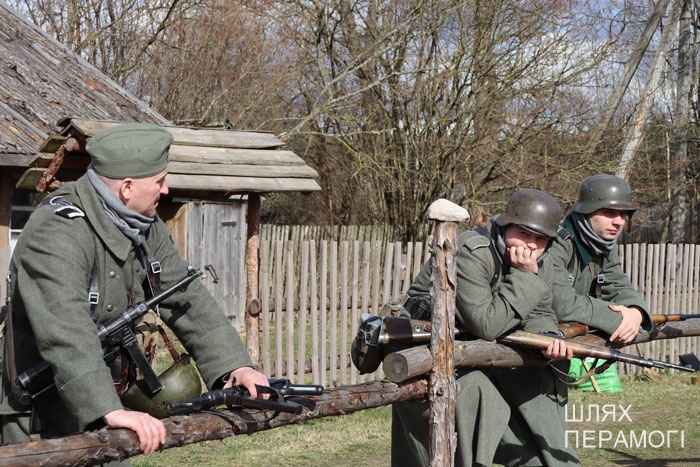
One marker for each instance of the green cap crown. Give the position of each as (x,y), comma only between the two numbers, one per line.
(134,150)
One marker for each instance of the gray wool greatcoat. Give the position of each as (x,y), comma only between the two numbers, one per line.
(51,270)
(488,304)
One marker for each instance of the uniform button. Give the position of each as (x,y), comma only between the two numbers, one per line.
(110,307)
(112,274)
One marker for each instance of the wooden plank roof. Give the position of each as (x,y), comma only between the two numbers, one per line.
(201,160)
(42,81)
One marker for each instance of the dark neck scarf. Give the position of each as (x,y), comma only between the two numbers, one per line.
(130,223)
(588,238)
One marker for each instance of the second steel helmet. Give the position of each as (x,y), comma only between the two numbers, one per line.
(533,209)
(604,191)
(180,382)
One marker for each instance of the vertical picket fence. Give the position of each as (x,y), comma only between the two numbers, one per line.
(312,301)
(314,291)
(668,277)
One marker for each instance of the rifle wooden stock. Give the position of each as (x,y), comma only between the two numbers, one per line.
(572,329)
(659,318)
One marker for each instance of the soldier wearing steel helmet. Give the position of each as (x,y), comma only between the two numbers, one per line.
(93,248)
(589,287)
(504,282)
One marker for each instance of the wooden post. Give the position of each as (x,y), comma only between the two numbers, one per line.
(252,301)
(442,384)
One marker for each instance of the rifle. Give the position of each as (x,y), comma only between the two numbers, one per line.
(238,395)
(114,335)
(375,331)
(581,350)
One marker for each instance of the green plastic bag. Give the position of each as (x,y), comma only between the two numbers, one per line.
(608,380)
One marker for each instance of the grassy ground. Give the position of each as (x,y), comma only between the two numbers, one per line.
(363,438)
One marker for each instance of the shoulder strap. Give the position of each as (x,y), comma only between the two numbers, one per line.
(9,341)
(496,261)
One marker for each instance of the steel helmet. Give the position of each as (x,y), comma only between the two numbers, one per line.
(180,382)
(534,210)
(604,191)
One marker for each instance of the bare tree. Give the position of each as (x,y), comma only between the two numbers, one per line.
(426,99)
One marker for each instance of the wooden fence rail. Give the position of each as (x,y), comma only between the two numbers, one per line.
(313,292)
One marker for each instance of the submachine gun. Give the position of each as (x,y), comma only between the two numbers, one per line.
(115,334)
(239,396)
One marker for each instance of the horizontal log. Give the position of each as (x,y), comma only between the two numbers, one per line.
(193,136)
(242,170)
(233,156)
(408,363)
(414,361)
(106,445)
(241,184)
(674,330)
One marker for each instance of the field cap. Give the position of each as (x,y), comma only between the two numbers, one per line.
(134,150)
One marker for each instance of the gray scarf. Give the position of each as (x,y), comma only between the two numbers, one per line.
(132,224)
(595,245)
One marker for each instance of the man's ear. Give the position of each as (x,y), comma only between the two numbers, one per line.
(126,189)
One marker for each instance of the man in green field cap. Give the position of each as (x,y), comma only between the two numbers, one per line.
(89,251)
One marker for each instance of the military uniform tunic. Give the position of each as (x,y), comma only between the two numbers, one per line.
(51,271)
(515,299)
